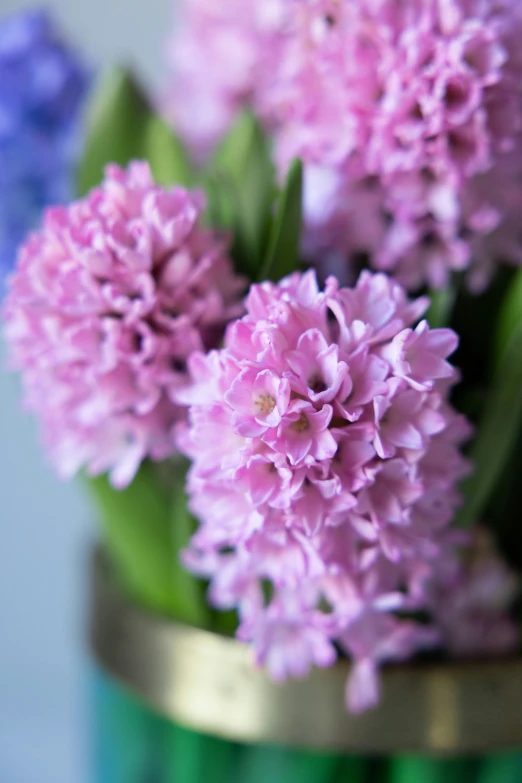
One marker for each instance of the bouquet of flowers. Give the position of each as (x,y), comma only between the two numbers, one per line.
(281,339)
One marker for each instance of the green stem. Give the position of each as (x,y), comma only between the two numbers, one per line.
(441,307)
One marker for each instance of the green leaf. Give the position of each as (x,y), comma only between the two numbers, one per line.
(145,527)
(188,593)
(220,204)
(136,527)
(117,122)
(243,176)
(123,127)
(283,252)
(224,623)
(441,307)
(501,423)
(246,138)
(510,315)
(496,434)
(168,158)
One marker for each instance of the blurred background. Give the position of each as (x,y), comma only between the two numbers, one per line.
(44,525)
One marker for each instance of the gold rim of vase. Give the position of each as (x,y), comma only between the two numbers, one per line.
(208,683)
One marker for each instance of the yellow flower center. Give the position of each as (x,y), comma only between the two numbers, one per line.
(264,404)
(302,424)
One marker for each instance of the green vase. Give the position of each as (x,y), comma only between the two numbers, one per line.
(132,744)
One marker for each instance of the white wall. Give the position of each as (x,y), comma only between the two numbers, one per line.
(44,525)
(131,31)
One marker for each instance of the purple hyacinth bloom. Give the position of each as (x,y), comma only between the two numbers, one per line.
(42,85)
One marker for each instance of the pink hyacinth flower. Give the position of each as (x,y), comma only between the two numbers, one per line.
(108,300)
(323,513)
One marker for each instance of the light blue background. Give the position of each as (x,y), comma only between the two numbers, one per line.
(45,525)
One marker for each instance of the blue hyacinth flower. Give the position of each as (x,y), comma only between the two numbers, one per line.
(42,87)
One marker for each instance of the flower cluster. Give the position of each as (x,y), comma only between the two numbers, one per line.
(239,39)
(408,116)
(429,99)
(107,301)
(41,89)
(325,458)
